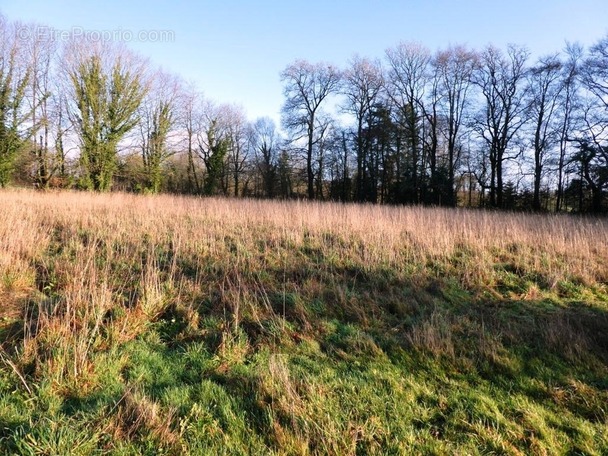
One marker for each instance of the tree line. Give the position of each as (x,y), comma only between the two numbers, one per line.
(454,127)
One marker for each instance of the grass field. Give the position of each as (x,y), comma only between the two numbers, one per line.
(172,325)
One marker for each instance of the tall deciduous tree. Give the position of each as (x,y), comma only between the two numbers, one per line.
(363,86)
(592,156)
(569,110)
(307,86)
(107,89)
(406,83)
(265,143)
(595,74)
(189,120)
(454,67)
(544,88)
(42,50)
(500,78)
(235,126)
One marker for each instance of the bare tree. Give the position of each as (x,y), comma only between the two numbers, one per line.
(544,89)
(363,86)
(307,86)
(234,123)
(42,50)
(406,83)
(592,156)
(454,67)
(265,141)
(189,122)
(500,78)
(595,74)
(568,111)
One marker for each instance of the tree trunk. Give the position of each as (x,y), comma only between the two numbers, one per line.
(309,171)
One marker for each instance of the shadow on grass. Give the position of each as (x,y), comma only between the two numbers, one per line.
(356,344)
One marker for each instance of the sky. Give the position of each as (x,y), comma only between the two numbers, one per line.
(234,51)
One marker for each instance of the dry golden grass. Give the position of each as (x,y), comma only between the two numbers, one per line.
(82,274)
(80,256)
(557,247)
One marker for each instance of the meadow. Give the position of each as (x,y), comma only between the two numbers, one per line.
(134,324)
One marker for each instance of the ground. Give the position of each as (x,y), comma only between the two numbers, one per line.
(174,325)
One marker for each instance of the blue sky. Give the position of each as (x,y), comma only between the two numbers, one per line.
(234,50)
